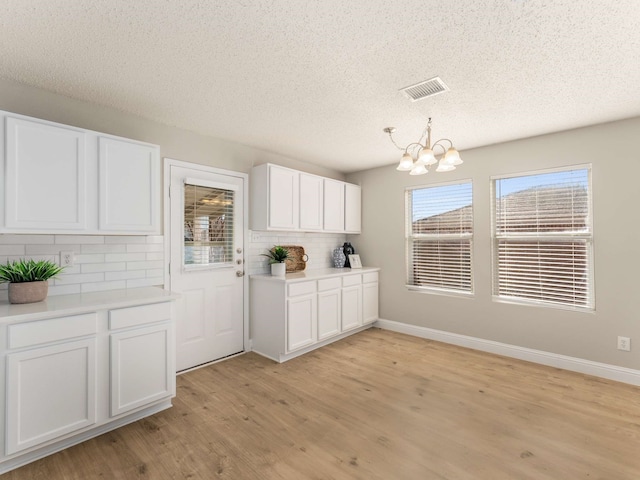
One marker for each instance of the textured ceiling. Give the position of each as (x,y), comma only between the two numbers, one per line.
(318,80)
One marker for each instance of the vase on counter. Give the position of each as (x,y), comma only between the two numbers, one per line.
(339,258)
(347,249)
(278,269)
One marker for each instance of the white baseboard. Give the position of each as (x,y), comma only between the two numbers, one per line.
(603,370)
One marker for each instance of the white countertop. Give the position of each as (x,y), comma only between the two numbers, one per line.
(314,274)
(56,305)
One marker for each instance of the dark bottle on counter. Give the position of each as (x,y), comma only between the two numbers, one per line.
(348,249)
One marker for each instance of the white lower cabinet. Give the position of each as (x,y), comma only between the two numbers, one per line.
(140,367)
(295,314)
(370,297)
(69,378)
(51,391)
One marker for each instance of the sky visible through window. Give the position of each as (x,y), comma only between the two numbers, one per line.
(425,202)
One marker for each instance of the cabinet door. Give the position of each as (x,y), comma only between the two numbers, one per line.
(329,312)
(311,202)
(351,307)
(45,177)
(284,201)
(301,322)
(352,208)
(369,302)
(142,367)
(51,391)
(333,205)
(129,186)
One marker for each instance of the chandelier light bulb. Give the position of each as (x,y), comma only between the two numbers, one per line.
(418,170)
(452,157)
(443,166)
(406,163)
(426,156)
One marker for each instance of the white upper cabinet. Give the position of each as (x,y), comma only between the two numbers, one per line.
(352,208)
(286,199)
(333,205)
(44,177)
(129,186)
(61,179)
(311,198)
(275,203)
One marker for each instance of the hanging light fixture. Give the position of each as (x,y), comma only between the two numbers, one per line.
(425,157)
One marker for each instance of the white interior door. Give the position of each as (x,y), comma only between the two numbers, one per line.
(207,263)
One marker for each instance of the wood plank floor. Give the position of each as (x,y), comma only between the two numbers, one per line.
(377,405)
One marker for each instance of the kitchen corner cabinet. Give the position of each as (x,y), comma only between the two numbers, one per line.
(284,199)
(81,365)
(303,311)
(62,179)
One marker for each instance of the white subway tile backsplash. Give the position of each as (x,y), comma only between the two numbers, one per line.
(101,262)
(66,278)
(25,239)
(103,248)
(12,250)
(78,239)
(109,276)
(126,239)
(145,282)
(124,257)
(89,258)
(102,286)
(147,247)
(103,267)
(151,264)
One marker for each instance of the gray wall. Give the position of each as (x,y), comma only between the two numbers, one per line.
(174,142)
(611,149)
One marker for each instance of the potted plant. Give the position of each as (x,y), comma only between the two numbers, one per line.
(28,279)
(277,256)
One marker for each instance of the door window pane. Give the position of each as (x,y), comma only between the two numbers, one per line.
(208,225)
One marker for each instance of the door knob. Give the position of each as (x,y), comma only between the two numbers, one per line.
(239,273)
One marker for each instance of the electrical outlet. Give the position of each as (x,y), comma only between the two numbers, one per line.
(255,237)
(624,343)
(66,259)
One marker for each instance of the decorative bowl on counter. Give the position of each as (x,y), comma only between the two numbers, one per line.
(297,260)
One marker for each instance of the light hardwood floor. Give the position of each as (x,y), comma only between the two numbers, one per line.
(377,405)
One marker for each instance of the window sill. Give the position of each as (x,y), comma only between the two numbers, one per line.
(533,303)
(438,291)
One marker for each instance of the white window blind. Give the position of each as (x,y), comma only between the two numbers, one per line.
(208,225)
(439,224)
(543,238)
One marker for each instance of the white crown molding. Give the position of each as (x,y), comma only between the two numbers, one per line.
(603,370)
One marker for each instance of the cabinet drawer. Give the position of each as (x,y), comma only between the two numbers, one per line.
(132,316)
(302,288)
(52,330)
(371,277)
(350,280)
(329,284)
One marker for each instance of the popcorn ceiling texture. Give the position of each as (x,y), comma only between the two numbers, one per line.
(319,80)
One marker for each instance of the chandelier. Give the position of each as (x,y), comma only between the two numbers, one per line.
(424,154)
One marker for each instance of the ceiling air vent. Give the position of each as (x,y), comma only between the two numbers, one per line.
(425,89)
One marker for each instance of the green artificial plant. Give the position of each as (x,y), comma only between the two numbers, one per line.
(277,254)
(21,271)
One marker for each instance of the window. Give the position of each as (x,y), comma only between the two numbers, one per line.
(208,225)
(439,225)
(543,238)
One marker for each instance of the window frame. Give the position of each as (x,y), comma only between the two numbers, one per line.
(409,240)
(545,237)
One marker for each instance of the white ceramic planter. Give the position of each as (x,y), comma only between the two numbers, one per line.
(278,269)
